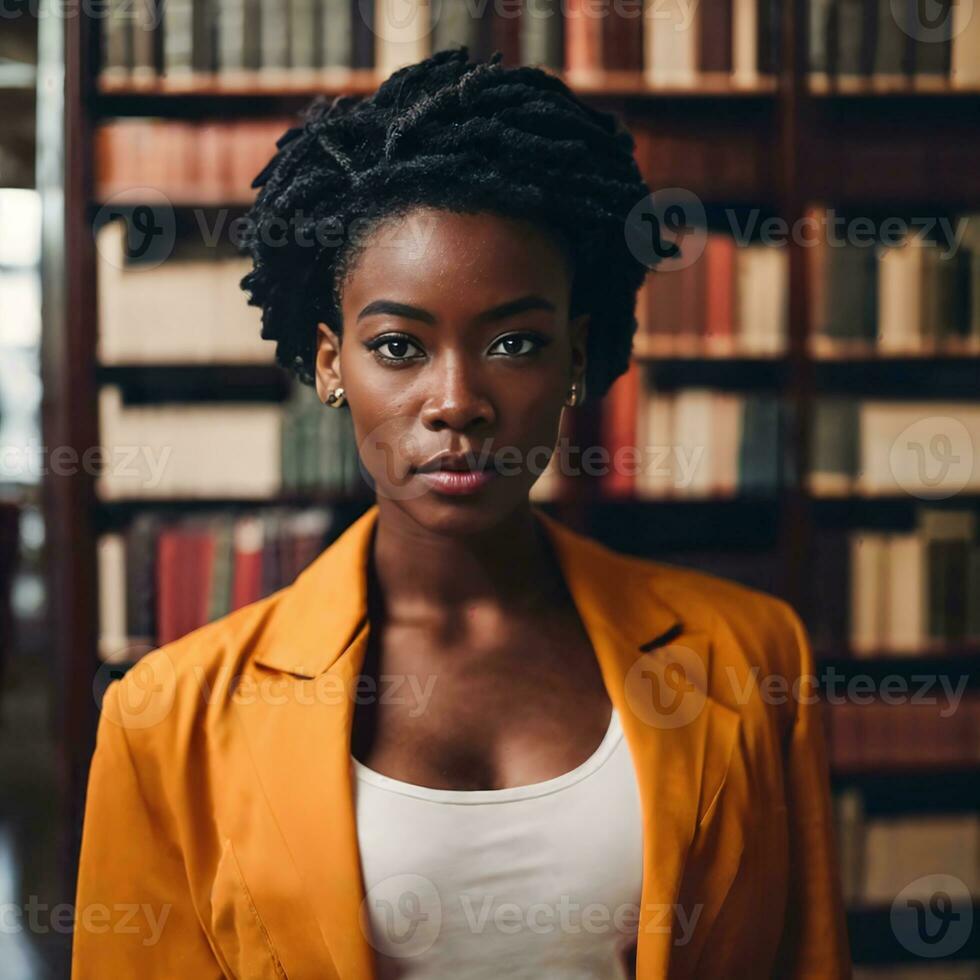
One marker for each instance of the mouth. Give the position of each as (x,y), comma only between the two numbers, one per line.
(457,475)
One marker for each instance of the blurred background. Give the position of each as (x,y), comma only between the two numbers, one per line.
(802,413)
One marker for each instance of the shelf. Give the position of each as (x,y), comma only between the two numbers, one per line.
(882,86)
(828,349)
(144,383)
(873,939)
(365,81)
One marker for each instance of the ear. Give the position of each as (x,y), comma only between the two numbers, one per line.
(327,361)
(578,330)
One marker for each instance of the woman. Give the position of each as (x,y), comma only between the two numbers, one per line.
(467,741)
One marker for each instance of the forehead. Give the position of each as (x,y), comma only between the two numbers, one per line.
(450,256)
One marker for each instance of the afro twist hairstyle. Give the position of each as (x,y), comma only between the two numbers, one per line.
(456,135)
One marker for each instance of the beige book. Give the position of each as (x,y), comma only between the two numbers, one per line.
(965,56)
(900,273)
(111,565)
(925,448)
(726,433)
(670,42)
(761,298)
(403,33)
(655,437)
(906,594)
(180,312)
(188,451)
(694,443)
(869,557)
(901,852)
(745,41)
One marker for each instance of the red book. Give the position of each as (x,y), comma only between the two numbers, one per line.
(715,41)
(720,293)
(619,430)
(583,37)
(500,30)
(185,557)
(603,38)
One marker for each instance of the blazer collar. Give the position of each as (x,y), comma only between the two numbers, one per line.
(300,813)
(325,607)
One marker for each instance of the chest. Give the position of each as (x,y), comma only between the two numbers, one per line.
(513,703)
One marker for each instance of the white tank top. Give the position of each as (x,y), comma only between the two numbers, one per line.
(532,881)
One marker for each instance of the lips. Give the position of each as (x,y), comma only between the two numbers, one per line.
(456,483)
(456,463)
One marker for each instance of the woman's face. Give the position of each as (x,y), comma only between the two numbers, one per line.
(456,339)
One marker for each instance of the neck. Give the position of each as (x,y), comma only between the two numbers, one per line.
(418,571)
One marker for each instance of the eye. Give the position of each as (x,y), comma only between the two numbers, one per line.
(519,344)
(394,347)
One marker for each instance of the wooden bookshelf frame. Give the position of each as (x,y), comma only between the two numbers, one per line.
(803,132)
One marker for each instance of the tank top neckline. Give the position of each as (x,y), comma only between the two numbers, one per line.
(507,794)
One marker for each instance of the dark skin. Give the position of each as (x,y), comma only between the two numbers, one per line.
(465,594)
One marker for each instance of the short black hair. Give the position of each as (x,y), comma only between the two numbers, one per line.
(457,135)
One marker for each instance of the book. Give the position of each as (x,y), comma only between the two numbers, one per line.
(542,34)
(163,451)
(399,39)
(670,35)
(183,311)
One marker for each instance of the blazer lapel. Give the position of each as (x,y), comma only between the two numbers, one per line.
(655,670)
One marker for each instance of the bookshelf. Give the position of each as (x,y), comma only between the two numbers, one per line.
(780,142)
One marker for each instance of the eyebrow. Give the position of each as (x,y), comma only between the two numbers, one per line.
(511,308)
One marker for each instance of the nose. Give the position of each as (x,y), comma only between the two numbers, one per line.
(455,398)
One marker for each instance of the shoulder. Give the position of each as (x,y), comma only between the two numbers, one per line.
(165,699)
(748,627)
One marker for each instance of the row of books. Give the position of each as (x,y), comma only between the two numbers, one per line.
(928,722)
(882,855)
(693,443)
(730,300)
(918,294)
(919,589)
(669,42)
(160,578)
(926,449)
(887,38)
(150,161)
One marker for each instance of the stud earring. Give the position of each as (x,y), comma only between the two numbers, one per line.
(336,397)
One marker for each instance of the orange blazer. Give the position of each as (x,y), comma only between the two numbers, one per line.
(220,837)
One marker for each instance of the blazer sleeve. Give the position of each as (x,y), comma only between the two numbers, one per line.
(134,916)
(815,940)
